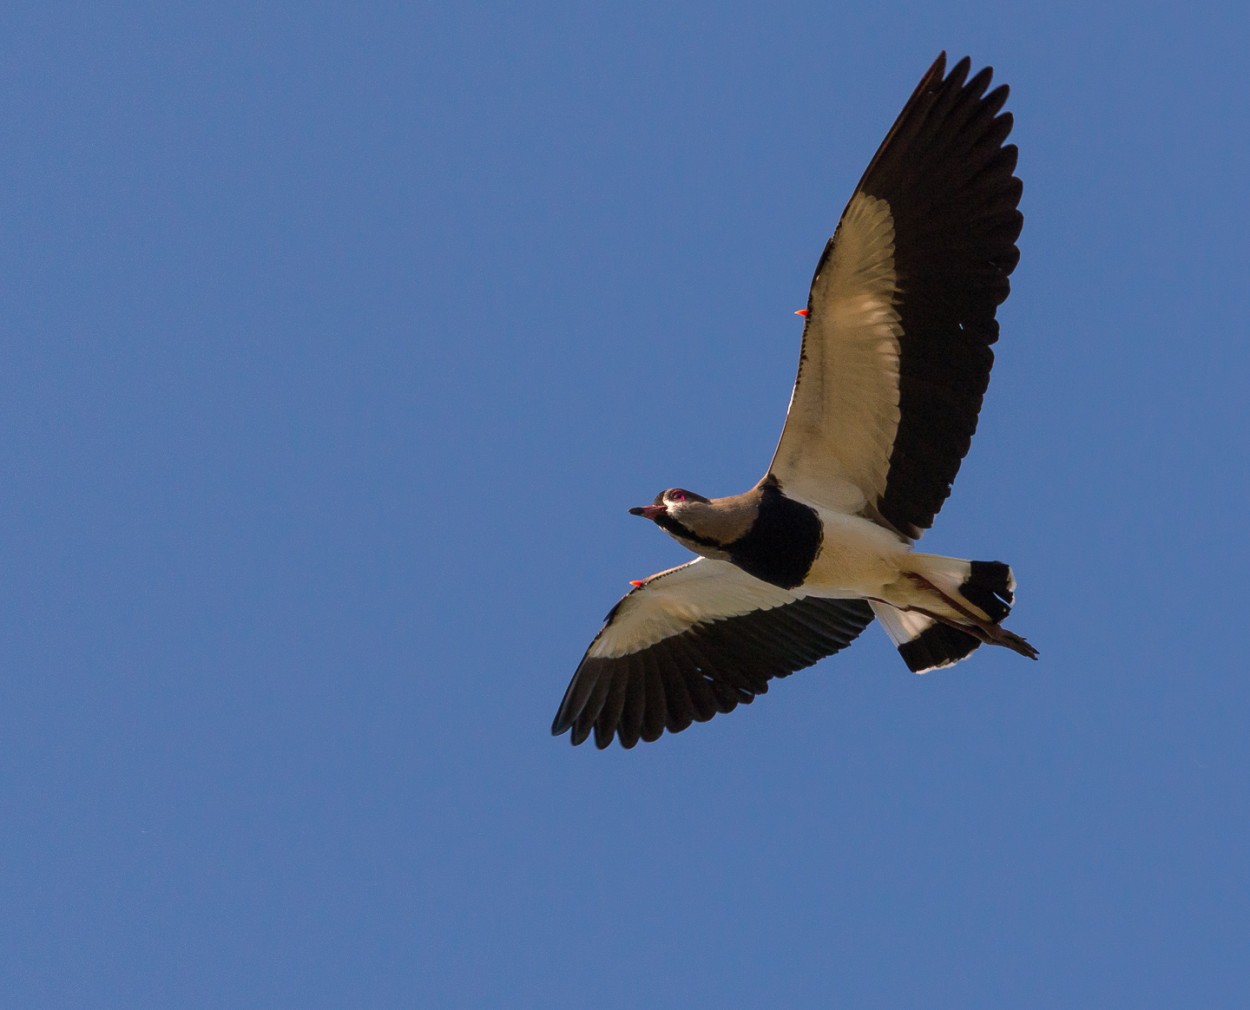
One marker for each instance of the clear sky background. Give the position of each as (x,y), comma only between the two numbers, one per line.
(337,341)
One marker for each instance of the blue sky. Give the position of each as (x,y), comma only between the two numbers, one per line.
(338,340)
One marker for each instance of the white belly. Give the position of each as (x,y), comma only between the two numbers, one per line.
(857,558)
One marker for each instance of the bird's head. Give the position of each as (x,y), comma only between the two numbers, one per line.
(674,503)
(700,524)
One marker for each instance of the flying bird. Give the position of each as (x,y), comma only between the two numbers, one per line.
(895,360)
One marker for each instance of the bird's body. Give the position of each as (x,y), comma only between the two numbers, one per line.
(895,361)
(857,558)
(788,542)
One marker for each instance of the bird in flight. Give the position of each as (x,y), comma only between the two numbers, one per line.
(895,360)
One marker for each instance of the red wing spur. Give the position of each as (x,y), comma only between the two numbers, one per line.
(895,361)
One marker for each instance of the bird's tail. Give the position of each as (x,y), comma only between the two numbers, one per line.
(953,606)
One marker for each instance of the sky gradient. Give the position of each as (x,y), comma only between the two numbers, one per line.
(340,338)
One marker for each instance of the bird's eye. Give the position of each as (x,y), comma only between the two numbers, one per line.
(677,496)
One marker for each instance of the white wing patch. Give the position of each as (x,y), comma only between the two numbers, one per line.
(672,602)
(901,625)
(844,412)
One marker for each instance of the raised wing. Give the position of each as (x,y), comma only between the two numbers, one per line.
(693,641)
(896,348)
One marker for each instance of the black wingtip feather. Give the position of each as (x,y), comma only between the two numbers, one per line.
(937,646)
(948,177)
(988,586)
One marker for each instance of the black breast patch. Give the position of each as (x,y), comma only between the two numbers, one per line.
(782,543)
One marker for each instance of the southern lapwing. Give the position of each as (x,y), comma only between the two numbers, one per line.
(894,363)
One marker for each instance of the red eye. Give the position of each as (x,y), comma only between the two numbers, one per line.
(677,496)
